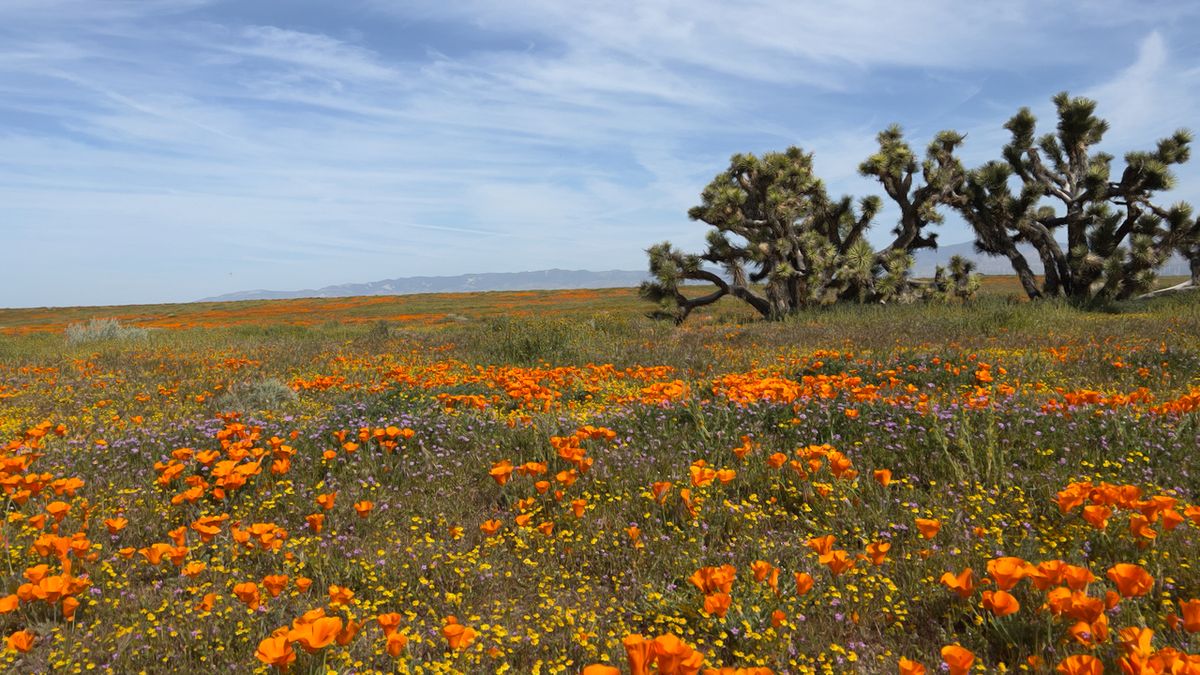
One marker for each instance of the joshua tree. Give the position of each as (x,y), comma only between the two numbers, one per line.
(783,244)
(778,238)
(958,280)
(1117,236)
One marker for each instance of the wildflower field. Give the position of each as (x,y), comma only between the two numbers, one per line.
(551,483)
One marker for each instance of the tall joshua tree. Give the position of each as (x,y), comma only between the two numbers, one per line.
(783,244)
(1117,235)
(780,241)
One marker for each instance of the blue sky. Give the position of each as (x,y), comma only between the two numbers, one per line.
(167,150)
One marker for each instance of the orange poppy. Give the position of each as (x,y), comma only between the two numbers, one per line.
(457,635)
(339,595)
(396,643)
(714,579)
(275,584)
(674,657)
(635,536)
(958,659)
(318,634)
(639,652)
(660,489)
(600,669)
(21,641)
(1191,615)
(882,476)
(276,651)
(1131,580)
(717,604)
(928,527)
(501,471)
(909,667)
(962,584)
(325,501)
(1000,603)
(804,583)
(1080,664)
(1006,572)
(490,527)
(247,592)
(389,622)
(363,508)
(877,551)
(821,545)
(838,562)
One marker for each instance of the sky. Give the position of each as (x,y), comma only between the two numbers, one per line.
(168,150)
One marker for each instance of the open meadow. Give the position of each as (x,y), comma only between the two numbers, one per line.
(550,482)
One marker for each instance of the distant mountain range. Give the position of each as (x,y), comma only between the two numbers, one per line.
(925,265)
(463,283)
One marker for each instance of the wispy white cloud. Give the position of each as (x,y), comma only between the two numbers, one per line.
(175,142)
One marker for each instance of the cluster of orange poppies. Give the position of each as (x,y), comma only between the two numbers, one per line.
(24,487)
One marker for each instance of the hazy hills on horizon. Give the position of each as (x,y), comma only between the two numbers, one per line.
(925,264)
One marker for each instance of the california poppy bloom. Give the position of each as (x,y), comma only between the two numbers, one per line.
(1131,580)
(928,527)
(714,579)
(1006,572)
(247,592)
(821,545)
(962,583)
(457,635)
(717,604)
(1191,615)
(882,476)
(1000,603)
(490,527)
(838,562)
(600,669)
(660,490)
(958,659)
(639,652)
(276,651)
(339,595)
(635,536)
(363,508)
(396,643)
(501,471)
(907,666)
(1080,664)
(674,657)
(804,583)
(325,501)
(21,641)
(877,551)
(389,622)
(275,584)
(318,634)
